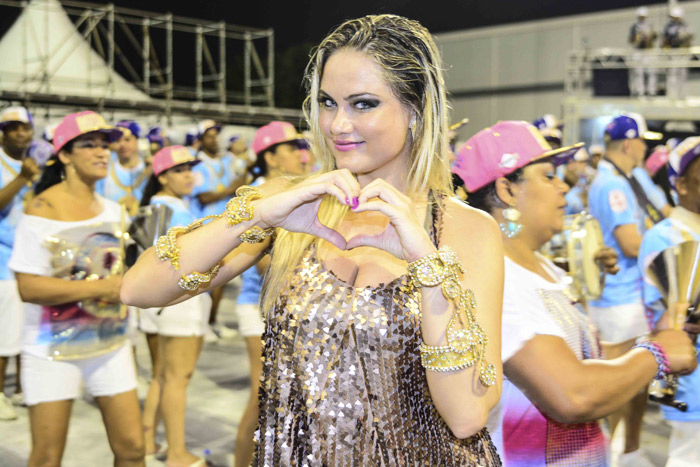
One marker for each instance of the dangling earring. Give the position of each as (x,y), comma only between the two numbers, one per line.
(412,128)
(511,227)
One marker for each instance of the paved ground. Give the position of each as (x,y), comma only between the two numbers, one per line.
(216,398)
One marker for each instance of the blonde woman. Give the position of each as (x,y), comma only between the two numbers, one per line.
(374,352)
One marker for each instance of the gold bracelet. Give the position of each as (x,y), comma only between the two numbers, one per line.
(238,210)
(190,282)
(166,245)
(466,340)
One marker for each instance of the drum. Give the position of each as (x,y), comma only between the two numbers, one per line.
(574,249)
(585,239)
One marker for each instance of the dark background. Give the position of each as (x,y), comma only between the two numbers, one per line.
(301,24)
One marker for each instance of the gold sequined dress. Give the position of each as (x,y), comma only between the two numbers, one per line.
(342,381)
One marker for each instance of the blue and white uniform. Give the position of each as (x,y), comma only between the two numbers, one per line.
(618,313)
(11,309)
(250,321)
(188,318)
(212,175)
(680,227)
(122,182)
(654,193)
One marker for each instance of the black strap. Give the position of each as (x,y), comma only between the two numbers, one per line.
(654,214)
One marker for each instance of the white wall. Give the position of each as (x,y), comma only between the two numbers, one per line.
(501,68)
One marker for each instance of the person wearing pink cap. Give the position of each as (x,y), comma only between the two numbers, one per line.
(556,383)
(66,200)
(18,173)
(379,348)
(277,146)
(178,329)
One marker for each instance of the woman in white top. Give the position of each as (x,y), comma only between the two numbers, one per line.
(556,381)
(99,357)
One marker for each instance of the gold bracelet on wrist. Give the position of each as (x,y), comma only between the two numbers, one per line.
(238,209)
(191,282)
(466,340)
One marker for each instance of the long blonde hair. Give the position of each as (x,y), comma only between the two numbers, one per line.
(413,69)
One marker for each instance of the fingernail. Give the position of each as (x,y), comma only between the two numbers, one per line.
(347,201)
(355,202)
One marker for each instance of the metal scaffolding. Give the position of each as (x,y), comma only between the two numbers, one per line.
(141,44)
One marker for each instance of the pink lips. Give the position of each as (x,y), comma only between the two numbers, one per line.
(345,146)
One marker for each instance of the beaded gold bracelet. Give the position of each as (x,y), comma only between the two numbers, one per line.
(167,250)
(466,340)
(238,210)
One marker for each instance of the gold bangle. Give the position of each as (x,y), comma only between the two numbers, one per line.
(466,340)
(238,209)
(166,245)
(191,282)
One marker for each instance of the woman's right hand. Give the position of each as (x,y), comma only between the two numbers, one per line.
(296,209)
(108,289)
(679,349)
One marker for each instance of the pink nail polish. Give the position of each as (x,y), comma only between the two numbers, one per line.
(347,201)
(355,202)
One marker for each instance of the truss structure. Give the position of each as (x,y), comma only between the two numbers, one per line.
(141,46)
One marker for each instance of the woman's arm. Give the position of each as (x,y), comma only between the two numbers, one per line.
(49,291)
(570,390)
(151,282)
(461,399)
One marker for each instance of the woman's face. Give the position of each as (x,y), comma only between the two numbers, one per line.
(287,159)
(541,201)
(89,156)
(363,123)
(179,180)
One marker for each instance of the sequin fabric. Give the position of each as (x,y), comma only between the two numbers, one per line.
(342,381)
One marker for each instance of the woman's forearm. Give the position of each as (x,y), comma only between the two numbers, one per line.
(50,291)
(152,282)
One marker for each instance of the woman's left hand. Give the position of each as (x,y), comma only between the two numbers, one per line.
(405,236)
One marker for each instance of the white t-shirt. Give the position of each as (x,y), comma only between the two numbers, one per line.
(30,256)
(523,435)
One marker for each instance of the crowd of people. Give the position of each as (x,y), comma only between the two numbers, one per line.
(387,320)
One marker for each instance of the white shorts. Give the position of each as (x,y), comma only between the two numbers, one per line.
(684,445)
(186,319)
(250,322)
(45,380)
(11,318)
(619,323)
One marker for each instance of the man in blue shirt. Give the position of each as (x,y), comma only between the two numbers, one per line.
(128,173)
(682,225)
(619,313)
(17,174)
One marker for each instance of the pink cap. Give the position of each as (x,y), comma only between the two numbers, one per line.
(80,123)
(274,133)
(170,156)
(657,159)
(502,149)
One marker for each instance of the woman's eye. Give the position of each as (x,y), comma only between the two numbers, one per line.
(550,176)
(366,104)
(326,102)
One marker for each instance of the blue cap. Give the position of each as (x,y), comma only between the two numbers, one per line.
(548,121)
(233,139)
(156,135)
(133,127)
(629,126)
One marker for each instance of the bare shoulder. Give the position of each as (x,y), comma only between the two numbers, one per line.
(463,222)
(43,205)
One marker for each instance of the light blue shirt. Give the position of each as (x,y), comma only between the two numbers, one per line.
(10,214)
(182,216)
(670,232)
(574,203)
(612,201)
(251,284)
(121,181)
(211,175)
